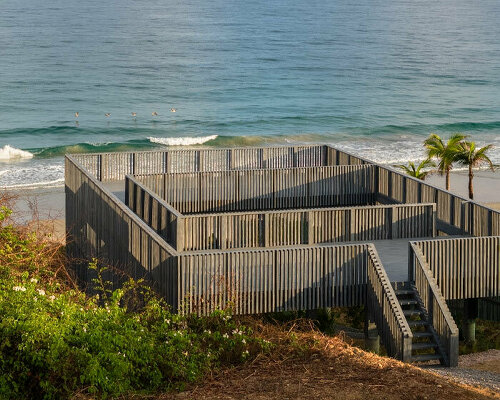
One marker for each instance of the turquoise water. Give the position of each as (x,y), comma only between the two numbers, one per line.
(373,77)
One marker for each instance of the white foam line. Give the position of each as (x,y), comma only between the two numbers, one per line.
(182,141)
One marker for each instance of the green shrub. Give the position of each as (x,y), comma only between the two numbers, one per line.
(56,342)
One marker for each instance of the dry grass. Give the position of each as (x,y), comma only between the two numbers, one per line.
(308,365)
(33,246)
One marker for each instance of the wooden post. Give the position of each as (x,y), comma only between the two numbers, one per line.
(434,220)
(372,339)
(310,228)
(469,323)
(223,232)
(180,244)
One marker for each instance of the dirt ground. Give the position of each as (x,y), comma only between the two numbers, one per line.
(331,370)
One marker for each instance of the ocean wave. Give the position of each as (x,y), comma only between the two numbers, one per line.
(46,184)
(11,153)
(182,141)
(35,173)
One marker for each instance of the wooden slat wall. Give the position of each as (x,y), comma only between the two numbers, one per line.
(101,226)
(291,227)
(383,306)
(157,214)
(456,215)
(435,304)
(262,189)
(272,280)
(114,166)
(464,268)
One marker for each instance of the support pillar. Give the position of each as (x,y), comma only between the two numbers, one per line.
(372,339)
(469,322)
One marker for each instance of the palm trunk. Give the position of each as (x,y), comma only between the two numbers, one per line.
(447,178)
(471,188)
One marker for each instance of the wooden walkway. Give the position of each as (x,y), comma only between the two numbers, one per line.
(279,235)
(394,256)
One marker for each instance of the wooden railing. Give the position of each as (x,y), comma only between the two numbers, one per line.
(291,227)
(435,305)
(277,228)
(114,166)
(156,213)
(456,215)
(264,189)
(272,280)
(464,268)
(383,306)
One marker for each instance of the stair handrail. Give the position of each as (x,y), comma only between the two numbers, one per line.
(435,305)
(383,306)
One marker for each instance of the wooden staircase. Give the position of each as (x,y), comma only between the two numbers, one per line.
(425,343)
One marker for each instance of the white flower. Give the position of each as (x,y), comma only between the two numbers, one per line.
(33,280)
(52,297)
(41,292)
(84,329)
(225,336)
(208,331)
(246,353)
(167,321)
(243,341)
(19,289)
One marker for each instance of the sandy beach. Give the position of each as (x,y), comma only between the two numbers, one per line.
(486,185)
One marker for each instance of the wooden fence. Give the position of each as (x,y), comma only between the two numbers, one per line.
(383,306)
(99,225)
(303,187)
(114,166)
(435,305)
(293,227)
(278,228)
(456,215)
(463,268)
(272,280)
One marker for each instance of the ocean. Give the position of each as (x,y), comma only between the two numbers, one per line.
(373,77)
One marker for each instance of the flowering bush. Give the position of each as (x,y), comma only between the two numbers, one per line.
(57,342)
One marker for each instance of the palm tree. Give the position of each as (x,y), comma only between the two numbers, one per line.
(445,153)
(473,157)
(417,172)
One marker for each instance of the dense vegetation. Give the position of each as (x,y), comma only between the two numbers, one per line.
(55,341)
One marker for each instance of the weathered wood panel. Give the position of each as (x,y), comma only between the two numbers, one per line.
(264,189)
(309,226)
(101,226)
(383,306)
(157,214)
(434,304)
(464,268)
(456,215)
(114,166)
(272,280)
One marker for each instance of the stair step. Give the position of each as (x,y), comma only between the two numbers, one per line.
(422,334)
(424,345)
(426,357)
(418,323)
(411,313)
(407,302)
(402,292)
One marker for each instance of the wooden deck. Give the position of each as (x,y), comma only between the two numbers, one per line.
(286,228)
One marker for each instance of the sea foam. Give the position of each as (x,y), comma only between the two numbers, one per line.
(11,153)
(182,141)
